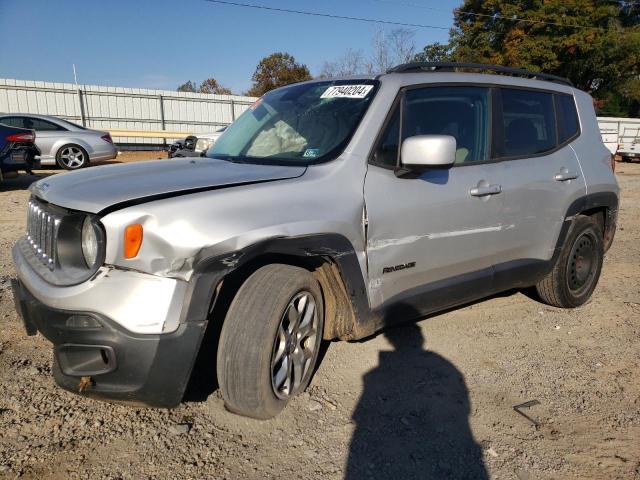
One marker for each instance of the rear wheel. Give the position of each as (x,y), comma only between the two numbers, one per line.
(72,157)
(577,269)
(270,340)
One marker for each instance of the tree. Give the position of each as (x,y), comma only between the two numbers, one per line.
(435,52)
(387,49)
(277,70)
(211,85)
(379,61)
(594,43)
(189,86)
(402,46)
(390,49)
(351,63)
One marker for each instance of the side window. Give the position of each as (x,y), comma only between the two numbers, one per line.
(528,123)
(40,125)
(568,125)
(462,112)
(12,121)
(386,152)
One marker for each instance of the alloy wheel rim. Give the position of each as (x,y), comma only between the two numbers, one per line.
(582,264)
(72,157)
(295,345)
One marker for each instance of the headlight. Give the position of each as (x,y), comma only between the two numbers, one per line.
(204,144)
(89,242)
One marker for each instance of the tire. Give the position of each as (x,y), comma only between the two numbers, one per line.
(259,339)
(72,157)
(577,269)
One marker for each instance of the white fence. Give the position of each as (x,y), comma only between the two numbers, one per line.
(117,108)
(169,115)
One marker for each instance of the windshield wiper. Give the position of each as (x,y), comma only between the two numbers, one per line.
(284,162)
(229,158)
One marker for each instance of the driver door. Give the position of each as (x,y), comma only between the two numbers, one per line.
(437,231)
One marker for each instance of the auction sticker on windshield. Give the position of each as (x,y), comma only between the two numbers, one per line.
(347,91)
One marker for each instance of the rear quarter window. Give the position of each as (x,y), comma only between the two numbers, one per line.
(568,124)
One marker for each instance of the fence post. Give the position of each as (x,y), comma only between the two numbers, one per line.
(162,122)
(82,114)
(233,111)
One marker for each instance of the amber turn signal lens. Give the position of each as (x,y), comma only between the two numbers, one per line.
(132,240)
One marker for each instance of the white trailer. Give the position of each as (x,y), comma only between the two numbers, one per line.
(621,136)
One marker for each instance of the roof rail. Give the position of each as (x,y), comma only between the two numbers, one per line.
(452,66)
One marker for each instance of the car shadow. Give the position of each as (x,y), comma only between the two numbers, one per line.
(203,381)
(411,420)
(22,182)
(105,162)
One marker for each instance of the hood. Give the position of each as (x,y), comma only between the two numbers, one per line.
(97,188)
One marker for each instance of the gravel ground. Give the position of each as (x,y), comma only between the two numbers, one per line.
(428,400)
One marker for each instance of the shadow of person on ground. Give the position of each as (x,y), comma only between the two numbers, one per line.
(412,418)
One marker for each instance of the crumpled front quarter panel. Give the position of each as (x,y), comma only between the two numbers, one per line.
(326,199)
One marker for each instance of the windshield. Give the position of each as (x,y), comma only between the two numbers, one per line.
(297,125)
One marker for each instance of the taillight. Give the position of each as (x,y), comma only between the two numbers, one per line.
(107,138)
(21,137)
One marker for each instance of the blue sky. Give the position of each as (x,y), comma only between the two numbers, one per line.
(162,43)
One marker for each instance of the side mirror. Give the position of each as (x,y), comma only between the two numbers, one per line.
(428,151)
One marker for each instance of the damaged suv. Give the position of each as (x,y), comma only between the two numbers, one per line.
(328,210)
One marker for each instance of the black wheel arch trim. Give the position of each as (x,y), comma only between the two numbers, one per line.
(607,200)
(210,269)
(594,200)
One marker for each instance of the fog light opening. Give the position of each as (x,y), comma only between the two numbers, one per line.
(105,356)
(82,321)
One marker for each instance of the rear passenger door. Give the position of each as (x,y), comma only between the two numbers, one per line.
(539,171)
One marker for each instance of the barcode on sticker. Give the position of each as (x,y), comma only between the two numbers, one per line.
(347,91)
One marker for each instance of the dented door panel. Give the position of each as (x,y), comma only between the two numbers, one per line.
(430,228)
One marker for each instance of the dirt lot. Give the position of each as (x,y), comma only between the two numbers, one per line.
(429,400)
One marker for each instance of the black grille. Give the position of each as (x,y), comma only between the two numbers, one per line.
(42,233)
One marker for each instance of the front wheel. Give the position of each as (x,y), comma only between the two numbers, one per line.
(577,269)
(270,340)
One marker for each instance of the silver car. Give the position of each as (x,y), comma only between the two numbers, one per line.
(206,140)
(69,145)
(329,210)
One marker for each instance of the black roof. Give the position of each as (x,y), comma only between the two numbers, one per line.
(453,66)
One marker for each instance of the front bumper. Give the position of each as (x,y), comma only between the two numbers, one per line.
(139,302)
(122,366)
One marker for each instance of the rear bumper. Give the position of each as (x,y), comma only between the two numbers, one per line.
(105,152)
(19,158)
(140,369)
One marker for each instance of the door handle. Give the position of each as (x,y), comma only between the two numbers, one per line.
(484,190)
(565,175)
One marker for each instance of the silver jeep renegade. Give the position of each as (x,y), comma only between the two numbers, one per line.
(328,210)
